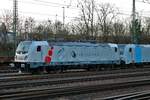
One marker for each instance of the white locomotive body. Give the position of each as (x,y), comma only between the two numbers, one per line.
(35,54)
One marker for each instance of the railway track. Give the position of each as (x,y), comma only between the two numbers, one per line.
(6,68)
(48,81)
(9,77)
(144,95)
(35,88)
(9,71)
(69,89)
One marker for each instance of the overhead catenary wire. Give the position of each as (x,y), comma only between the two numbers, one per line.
(37,13)
(50,4)
(59,4)
(46,14)
(47,3)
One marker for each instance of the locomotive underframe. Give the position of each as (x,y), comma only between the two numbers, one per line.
(26,66)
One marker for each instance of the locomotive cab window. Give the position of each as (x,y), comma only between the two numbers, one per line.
(38,48)
(115,49)
(130,49)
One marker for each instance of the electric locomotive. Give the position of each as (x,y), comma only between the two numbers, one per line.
(41,55)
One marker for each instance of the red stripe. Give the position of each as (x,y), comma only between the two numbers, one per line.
(48,59)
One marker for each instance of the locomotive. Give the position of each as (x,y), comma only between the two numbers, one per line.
(33,55)
(54,56)
(136,54)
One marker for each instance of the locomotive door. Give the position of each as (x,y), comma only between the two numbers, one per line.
(131,55)
(38,55)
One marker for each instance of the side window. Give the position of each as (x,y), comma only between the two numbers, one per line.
(38,48)
(73,54)
(115,49)
(130,49)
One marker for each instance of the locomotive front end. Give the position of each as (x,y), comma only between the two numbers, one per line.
(22,53)
(30,55)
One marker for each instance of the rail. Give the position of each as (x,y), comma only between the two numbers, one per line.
(36,89)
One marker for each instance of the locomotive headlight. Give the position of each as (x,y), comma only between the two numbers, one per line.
(25,58)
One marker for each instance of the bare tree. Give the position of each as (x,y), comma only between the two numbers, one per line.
(7,18)
(3,34)
(29,26)
(87,18)
(48,29)
(78,27)
(20,25)
(106,14)
(118,31)
(30,22)
(147,26)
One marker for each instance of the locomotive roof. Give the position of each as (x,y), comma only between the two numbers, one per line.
(81,44)
(73,43)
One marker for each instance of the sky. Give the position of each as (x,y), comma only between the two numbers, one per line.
(53,9)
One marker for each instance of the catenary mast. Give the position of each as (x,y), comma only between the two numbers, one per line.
(15,18)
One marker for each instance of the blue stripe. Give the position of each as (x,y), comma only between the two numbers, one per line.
(138,55)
